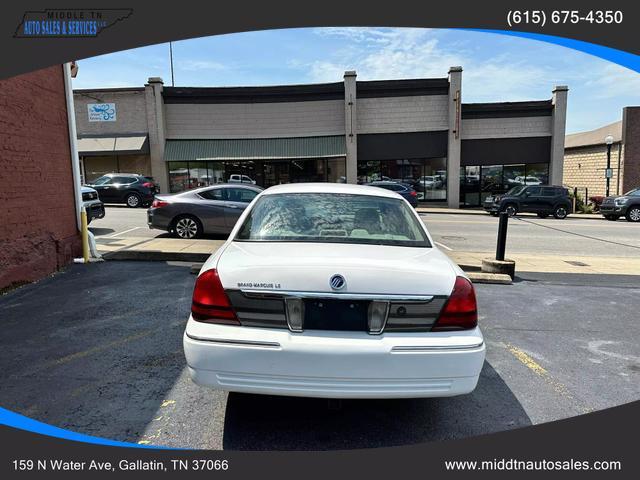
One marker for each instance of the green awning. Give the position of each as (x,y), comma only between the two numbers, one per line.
(255,148)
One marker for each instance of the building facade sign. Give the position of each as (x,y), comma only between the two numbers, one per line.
(102,112)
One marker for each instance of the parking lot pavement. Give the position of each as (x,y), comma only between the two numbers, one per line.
(98,349)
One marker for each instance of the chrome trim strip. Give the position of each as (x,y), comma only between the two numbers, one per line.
(435,348)
(241,343)
(338,296)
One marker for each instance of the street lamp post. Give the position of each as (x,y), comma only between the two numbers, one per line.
(608,174)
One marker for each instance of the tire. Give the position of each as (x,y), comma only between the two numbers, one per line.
(187,227)
(611,218)
(543,215)
(133,200)
(511,209)
(633,214)
(560,212)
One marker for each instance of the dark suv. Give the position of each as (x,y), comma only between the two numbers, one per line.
(130,188)
(627,205)
(543,200)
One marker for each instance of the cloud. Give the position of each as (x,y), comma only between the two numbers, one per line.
(196,65)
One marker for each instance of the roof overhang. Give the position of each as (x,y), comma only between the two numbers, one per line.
(255,148)
(113,145)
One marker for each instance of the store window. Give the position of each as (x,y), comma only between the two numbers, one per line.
(178,176)
(428,176)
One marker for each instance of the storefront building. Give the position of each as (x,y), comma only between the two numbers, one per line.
(585,157)
(415,131)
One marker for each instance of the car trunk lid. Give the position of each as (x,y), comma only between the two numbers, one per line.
(309,267)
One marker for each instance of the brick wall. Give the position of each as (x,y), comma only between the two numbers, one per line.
(131,112)
(38,232)
(584,167)
(631,139)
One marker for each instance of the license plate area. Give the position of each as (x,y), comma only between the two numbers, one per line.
(328,314)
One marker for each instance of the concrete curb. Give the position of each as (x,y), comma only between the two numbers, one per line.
(495,278)
(156,256)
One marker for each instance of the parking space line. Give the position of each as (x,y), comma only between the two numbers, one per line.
(443,246)
(542,372)
(122,233)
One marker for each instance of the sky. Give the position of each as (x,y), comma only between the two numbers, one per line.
(497,68)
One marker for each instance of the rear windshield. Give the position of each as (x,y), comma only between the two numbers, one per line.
(332,218)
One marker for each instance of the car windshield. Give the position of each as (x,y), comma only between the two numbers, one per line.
(633,193)
(333,218)
(102,180)
(515,191)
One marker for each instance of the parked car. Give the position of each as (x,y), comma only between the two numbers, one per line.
(205,210)
(627,205)
(521,180)
(337,291)
(130,188)
(235,178)
(92,204)
(430,182)
(405,191)
(544,200)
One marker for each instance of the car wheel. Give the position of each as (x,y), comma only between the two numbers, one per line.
(187,227)
(560,212)
(633,214)
(511,210)
(543,215)
(133,200)
(612,218)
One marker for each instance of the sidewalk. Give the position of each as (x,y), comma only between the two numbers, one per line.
(477,211)
(167,249)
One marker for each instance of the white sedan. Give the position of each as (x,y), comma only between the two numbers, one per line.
(336,291)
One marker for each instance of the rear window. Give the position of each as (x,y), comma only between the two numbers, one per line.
(333,218)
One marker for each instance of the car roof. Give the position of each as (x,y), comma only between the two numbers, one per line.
(225,185)
(336,188)
(122,174)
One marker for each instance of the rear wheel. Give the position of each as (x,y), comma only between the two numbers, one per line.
(560,212)
(133,200)
(633,214)
(612,218)
(511,209)
(187,227)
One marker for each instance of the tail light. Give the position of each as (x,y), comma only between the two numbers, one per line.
(210,303)
(413,193)
(159,204)
(148,184)
(461,311)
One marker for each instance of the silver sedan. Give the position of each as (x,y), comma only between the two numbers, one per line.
(208,210)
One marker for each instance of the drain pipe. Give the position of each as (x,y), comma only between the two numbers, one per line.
(73,143)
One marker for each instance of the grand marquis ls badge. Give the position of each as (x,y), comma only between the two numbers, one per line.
(337,282)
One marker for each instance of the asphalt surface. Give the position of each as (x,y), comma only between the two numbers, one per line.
(467,233)
(98,349)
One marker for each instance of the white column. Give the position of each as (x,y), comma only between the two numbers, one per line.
(558,124)
(155,122)
(454,144)
(350,130)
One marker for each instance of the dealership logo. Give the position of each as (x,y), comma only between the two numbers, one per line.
(69,22)
(337,282)
(102,112)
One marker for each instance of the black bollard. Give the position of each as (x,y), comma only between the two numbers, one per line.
(502,236)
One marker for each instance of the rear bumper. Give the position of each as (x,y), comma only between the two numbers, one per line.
(333,364)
